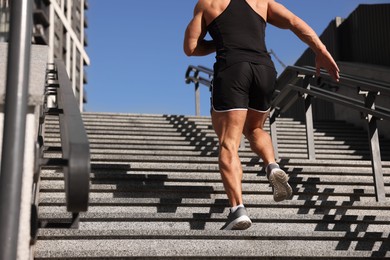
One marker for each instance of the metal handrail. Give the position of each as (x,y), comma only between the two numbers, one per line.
(192,76)
(74,140)
(15,111)
(75,144)
(291,76)
(195,78)
(362,85)
(345,80)
(302,82)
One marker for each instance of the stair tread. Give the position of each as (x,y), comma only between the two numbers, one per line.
(156,192)
(204,234)
(268,216)
(200,248)
(253,201)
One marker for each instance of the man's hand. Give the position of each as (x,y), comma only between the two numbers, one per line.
(281,17)
(324,60)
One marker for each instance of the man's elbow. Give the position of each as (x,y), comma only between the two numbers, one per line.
(189,51)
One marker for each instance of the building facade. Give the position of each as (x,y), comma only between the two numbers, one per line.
(61,25)
(4,20)
(363,37)
(360,45)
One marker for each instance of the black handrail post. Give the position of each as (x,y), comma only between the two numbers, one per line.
(15,112)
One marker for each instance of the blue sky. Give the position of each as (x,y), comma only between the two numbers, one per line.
(137,61)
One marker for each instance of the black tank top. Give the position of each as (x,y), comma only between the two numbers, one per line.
(239,35)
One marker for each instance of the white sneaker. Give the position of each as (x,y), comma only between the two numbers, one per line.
(279,182)
(238,220)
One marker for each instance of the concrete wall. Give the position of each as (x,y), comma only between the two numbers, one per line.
(39,57)
(37,73)
(377,73)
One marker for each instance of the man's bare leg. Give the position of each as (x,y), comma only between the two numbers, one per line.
(259,139)
(228,127)
(261,144)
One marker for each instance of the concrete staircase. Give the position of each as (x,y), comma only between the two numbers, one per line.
(156,193)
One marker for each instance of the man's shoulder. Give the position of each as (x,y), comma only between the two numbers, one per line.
(205,3)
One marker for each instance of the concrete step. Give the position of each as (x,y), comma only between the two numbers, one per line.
(187,123)
(206,121)
(209,133)
(342,175)
(210,144)
(153,147)
(172,200)
(49,234)
(283,124)
(146,131)
(211,151)
(344,220)
(207,187)
(219,201)
(213,247)
(332,167)
(156,193)
(206,156)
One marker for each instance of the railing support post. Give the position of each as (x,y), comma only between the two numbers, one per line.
(197,80)
(309,121)
(197,99)
(274,137)
(15,112)
(375,151)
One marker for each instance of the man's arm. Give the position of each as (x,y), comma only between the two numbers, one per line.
(194,42)
(281,17)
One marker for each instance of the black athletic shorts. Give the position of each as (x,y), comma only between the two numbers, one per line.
(243,86)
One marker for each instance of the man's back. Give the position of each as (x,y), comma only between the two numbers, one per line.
(213,8)
(272,12)
(238,32)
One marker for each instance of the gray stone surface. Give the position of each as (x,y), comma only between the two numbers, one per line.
(35,98)
(201,248)
(161,196)
(39,55)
